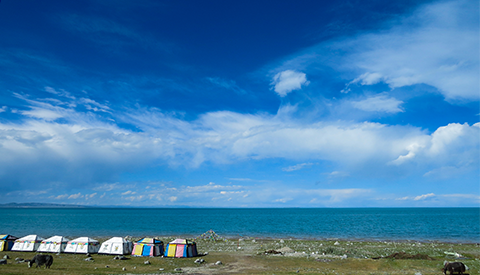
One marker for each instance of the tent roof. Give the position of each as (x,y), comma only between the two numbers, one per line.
(181,241)
(116,240)
(149,240)
(57,239)
(84,240)
(7,237)
(31,238)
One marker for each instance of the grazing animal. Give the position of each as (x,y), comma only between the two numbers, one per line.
(46,260)
(453,267)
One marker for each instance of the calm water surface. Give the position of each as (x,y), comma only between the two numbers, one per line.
(422,224)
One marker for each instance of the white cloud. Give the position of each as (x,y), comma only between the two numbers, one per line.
(59,92)
(286,81)
(444,136)
(379,103)
(338,174)
(423,197)
(3,109)
(417,198)
(283,200)
(97,107)
(412,150)
(296,167)
(364,79)
(42,113)
(424,48)
(94,152)
(75,196)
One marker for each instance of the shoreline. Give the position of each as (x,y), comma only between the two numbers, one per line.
(261,237)
(273,239)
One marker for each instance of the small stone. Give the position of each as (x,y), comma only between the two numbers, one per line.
(253,241)
(6,257)
(123,268)
(336,243)
(161,269)
(95,268)
(89,259)
(282,241)
(218,263)
(206,253)
(106,266)
(146,262)
(3,261)
(178,269)
(134,267)
(18,259)
(116,258)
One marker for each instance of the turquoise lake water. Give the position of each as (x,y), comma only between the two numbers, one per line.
(420,224)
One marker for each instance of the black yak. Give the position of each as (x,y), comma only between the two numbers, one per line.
(456,267)
(46,260)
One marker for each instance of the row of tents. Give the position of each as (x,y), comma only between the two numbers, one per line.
(179,248)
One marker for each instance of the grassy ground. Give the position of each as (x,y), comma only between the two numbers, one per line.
(248,257)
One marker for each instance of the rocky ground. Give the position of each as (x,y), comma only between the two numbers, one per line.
(272,256)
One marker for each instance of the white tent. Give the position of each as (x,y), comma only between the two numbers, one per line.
(82,245)
(53,244)
(116,246)
(27,243)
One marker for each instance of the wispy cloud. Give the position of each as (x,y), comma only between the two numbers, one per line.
(296,167)
(379,103)
(423,50)
(423,197)
(226,84)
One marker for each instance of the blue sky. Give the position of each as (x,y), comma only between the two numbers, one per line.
(240,103)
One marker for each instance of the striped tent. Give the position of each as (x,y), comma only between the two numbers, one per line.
(181,248)
(6,242)
(148,247)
